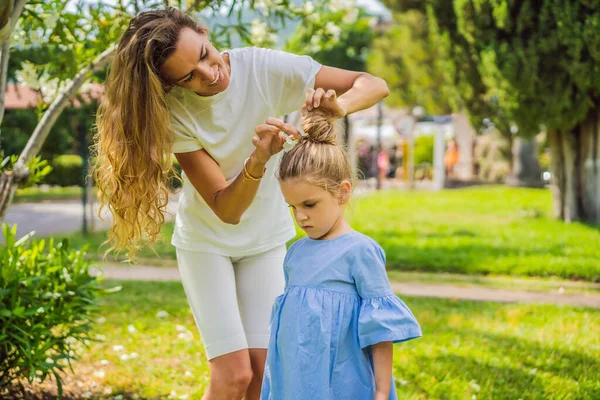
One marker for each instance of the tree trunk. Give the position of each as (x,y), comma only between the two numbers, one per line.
(575,164)
(9,182)
(525,170)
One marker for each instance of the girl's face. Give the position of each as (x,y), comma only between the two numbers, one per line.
(197,65)
(318,212)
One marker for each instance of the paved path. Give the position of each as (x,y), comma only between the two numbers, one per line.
(59,217)
(403,288)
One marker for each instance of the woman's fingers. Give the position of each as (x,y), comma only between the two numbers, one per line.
(279,125)
(319,93)
(265,130)
(309,98)
(314,98)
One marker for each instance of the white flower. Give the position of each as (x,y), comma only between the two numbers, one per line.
(101,320)
(533,371)
(308,7)
(118,397)
(134,355)
(333,30)
(125,357)
(173,394)
(29,75)
(351,16)
(187,337)
(108,390)
(162,314)
(99,374)
(180,328)
(35,38)
(104,362)
(183,397)
(473,384)
(401,381)
(66,275)
(131,329)
(561,290)
(118,348)
(338,5)
(40,310)
(49,360)
(18,37)
(188,374)
(50,21)
(87,395)
(260,34)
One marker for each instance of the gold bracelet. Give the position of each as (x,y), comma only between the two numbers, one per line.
(249,176)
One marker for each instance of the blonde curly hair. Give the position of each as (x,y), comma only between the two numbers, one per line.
(133,138)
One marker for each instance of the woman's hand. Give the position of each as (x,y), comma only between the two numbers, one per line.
(324,100)
(268,141)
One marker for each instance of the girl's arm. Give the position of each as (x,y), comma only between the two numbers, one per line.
(382,362)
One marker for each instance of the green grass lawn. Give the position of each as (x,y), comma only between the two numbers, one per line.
(495,230)
(36,195)
(485,230)
(486,350)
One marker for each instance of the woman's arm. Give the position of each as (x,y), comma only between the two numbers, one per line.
(229,202)
(355,90)
(382,362)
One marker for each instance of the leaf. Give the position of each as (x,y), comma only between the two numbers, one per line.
(19,311)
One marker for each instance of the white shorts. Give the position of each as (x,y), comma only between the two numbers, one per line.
(231,297)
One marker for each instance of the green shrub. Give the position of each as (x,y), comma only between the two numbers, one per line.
(424,150)
(66,171)
(47,297)
(175,181)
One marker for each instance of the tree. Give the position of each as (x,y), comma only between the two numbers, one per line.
(82,37)
(409,62)
(339,35)
(535,65)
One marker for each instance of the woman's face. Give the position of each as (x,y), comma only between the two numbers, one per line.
(196,65)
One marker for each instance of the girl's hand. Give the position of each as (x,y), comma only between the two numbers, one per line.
(325,100)
(268,141)
(381,396)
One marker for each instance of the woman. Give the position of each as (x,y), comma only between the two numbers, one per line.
(170,91)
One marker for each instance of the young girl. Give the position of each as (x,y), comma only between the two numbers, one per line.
(332,330)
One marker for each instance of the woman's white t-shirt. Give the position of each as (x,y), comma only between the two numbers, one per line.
(264,83)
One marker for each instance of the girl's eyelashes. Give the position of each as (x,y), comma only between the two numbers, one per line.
(309,205)
(204,55)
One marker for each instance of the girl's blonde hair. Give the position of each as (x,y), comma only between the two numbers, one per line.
(133,139)
(318,158)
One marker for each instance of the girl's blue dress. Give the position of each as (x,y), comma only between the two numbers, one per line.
(337,302)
